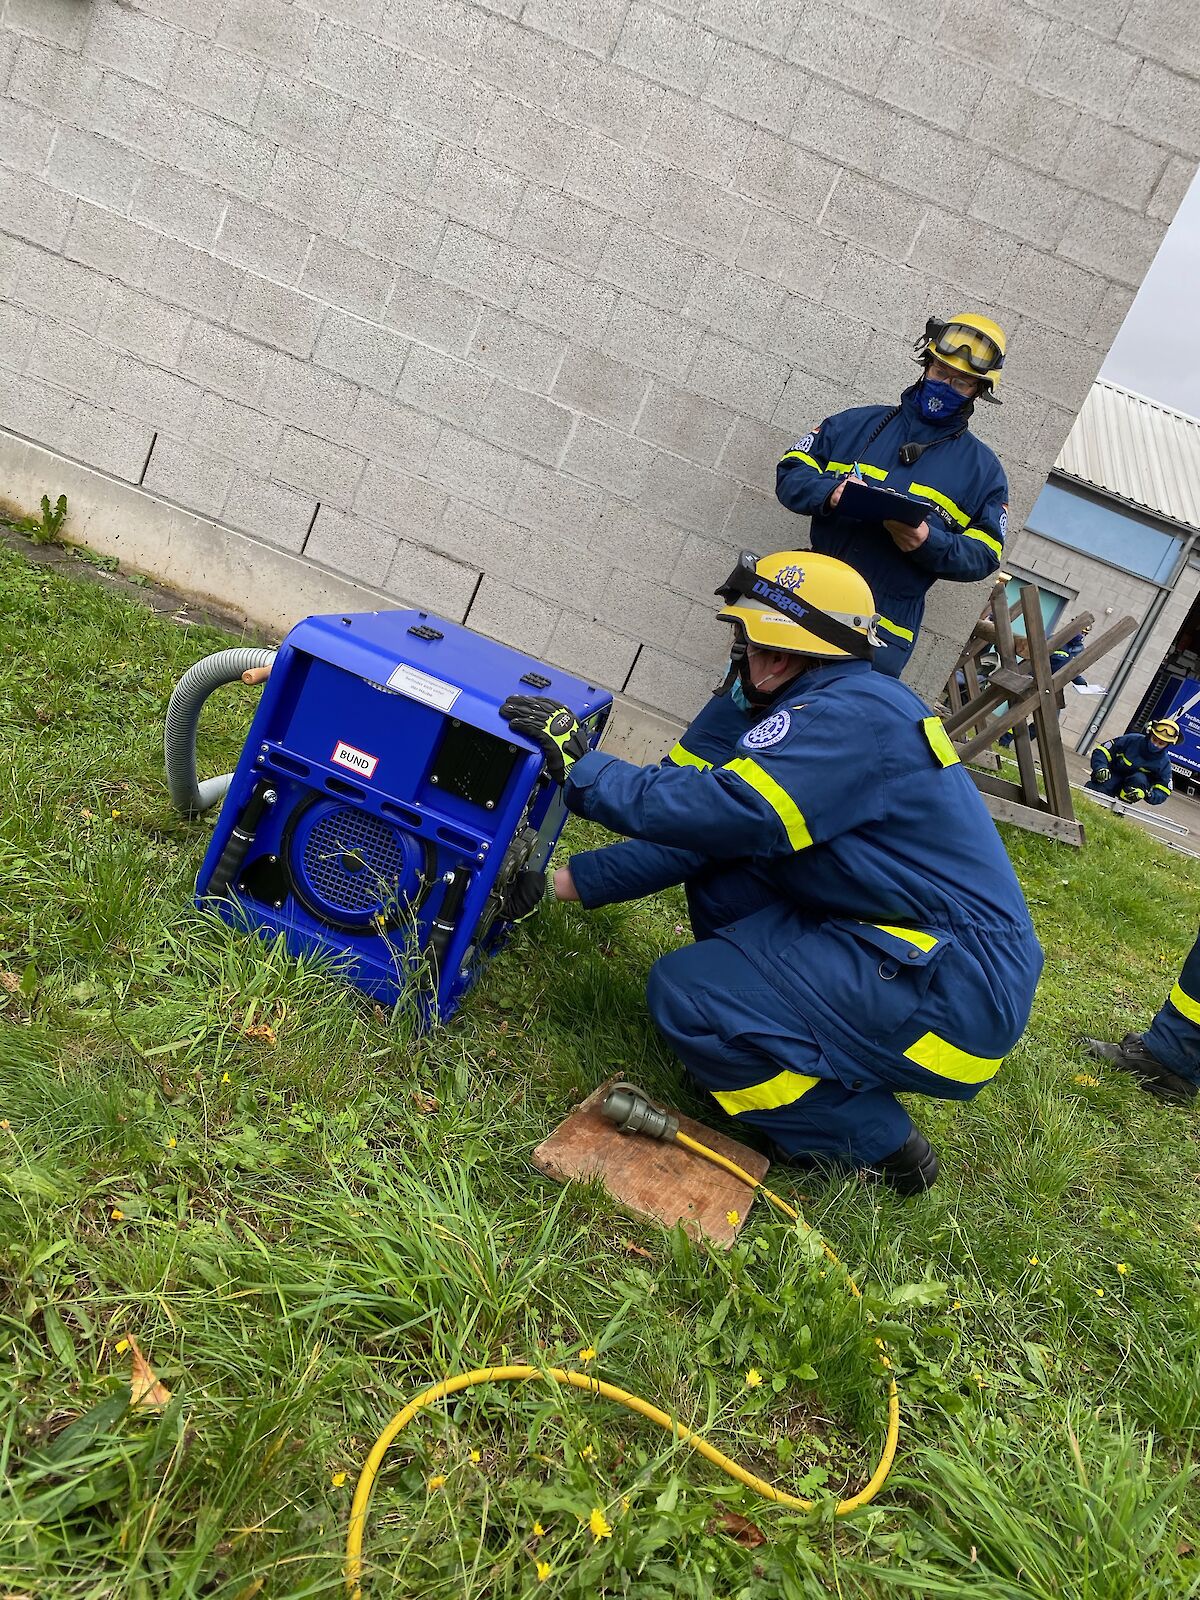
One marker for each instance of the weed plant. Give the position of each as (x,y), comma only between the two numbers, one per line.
(304,1214)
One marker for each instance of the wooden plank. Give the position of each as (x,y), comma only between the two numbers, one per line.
(1045,717)
(1002,788)
(1006,643)
(1035,821)
(662,1181)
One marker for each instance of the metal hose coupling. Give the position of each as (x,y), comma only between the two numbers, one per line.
(630,1108)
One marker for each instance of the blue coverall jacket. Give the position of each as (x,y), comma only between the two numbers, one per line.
(968,510)
(1137,767)
(860,927)
(1174,1036)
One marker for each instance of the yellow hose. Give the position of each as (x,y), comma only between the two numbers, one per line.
(632,1402)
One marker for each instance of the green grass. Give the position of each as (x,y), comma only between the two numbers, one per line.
(303,1233)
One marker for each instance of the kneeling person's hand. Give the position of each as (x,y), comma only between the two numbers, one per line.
(549,725)
(523,896)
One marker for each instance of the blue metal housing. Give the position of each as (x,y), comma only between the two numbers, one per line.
(381,804)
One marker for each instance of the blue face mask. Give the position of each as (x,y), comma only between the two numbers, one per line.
(738,695)
(938,402)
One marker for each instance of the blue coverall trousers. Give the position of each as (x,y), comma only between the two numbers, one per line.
(732,1028)
(1174,1036)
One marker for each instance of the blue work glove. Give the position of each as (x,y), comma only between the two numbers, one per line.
(551,726)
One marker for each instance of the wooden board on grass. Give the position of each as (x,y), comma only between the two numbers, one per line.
(656,1179)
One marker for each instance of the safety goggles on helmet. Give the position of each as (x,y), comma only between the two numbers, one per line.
(852,634)
(1166,728)
(956,340)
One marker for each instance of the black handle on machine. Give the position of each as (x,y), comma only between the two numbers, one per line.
(442,928)
(241,837)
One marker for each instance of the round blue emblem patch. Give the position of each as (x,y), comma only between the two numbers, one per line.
(768,732)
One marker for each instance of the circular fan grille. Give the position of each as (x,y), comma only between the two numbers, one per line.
(352,861)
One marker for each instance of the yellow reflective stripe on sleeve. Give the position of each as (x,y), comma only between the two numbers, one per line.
(939,741)
(984,538)
(1184,1004)
(782,1090)
(685,758)
(940,499)
(923,941)
(864,467)
(799,455)
(948,1061)
(894,627)
(779,800)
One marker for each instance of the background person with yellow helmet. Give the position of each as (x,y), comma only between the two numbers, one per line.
(922,448)
(1136,766)
(859,928)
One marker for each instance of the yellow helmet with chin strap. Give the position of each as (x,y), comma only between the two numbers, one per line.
(970,343)
(802,603)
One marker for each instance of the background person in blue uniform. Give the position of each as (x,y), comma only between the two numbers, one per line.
(922,448)
(1136,766)
(1058,658)
(859,928)
(1166,1058)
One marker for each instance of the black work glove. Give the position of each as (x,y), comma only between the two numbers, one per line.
(1132,794)
(523,896)
(1101,774)
(549,725)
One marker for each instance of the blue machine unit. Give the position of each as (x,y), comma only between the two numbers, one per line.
(1180,699)
(381,806)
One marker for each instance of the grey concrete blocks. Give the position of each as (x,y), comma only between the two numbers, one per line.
(848,49)
(188,476)
(514,617)
(448,103)
(104,439)
(742,379)
(277,315)
(60,22)
(271,29)
(481,538)
(868,214)
(133,45)
(383,431)
(756,87)
(476,191)
(301,115)
(650,338)
(1007,36)
(450,31)
(787,251)
(524,422)
(685,424)
(226,362)
(356,65)
(518,350)
(1054,291)
(688,495)
(1168,29)
(1027,204)
(614,102)
(58,289)
(268,510)
(424,309)
(1111,241)
(351,545)
(653,268)
(1030,126)
(237,432)
(941,167)
(586,24)
(699,213)
(394,156)
(310,192)
(153,395)
(848,129)
(735,303)
(672,50)
(139,325)
(349,279)
(550,500)
(766,27)
(615,178)
(1112,164)
(665,681)
(178,205)
(1083,69)
(317,401)
(142,118)
(646,610)
(323,470)
(17,328)
(406,504)
(485,473)
(1164,105)
(394,227)
(1170,190)
(589,648)
(361,351)
(184,276)
(947,88)
(595,384)
(561,299)
(485,267)
(699,138)
(25,137)
(554,224)
(526,139)
(637,538)
(95,168)
(600,455)
(221,81)
(752,451)
(65,86)
(232,157)
(260,240)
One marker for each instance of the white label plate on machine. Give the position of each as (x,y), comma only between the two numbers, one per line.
(420,686)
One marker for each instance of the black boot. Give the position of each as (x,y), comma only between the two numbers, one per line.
(1132,1056)
(910,1170)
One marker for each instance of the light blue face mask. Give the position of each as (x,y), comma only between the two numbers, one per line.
(738,695)
(938,402)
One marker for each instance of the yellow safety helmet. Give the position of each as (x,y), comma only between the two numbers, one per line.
(968,342)
(800,602)
(1165,728)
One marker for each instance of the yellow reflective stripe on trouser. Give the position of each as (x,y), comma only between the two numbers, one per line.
(799,455)
(922,940)
(984,538)
(894,627)
(864,467)
(948,1061)
(1164,787)
(1185,1005)
(779,800)
(685,758)
(784,1089)
(939,741)
(940,499)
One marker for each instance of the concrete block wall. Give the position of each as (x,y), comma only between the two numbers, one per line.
(507,307)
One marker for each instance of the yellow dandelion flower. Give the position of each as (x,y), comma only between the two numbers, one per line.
(753,1378)
(1122,1267)
(1100,1294)
(587,1355)
(538,1531)
(224,1077)
(117,1214)
(733,1218)
(599,1525)
(1087,1080)
(475,1458)
(544,1569)
(116,814)
(957,1306)
(338,1479)
(1034,1261)
(437,1480)
(587,1452)
(122,1346)
(171,1143)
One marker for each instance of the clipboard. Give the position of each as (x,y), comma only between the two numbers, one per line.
(867,502)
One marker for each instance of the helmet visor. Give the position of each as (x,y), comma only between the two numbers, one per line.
(979,350)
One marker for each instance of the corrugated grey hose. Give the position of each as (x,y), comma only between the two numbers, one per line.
(188,794)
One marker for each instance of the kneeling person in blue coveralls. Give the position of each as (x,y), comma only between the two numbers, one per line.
(1136,766)
(1166,1058)
(859,928)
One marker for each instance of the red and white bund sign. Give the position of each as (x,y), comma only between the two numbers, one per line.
(345,755)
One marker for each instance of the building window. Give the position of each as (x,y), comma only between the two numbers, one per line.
(1112,533)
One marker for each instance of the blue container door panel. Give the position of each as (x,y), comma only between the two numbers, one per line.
(1181,700)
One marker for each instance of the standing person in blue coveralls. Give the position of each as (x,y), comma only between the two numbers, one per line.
(921,448)
(859,928)
(1166,1058)
(1136,766)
